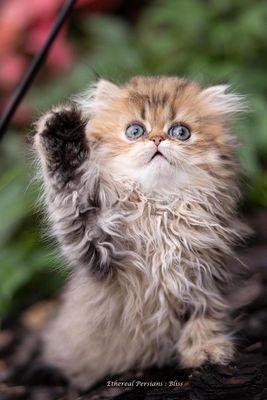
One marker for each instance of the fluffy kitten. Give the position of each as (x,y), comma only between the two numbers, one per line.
(140,186)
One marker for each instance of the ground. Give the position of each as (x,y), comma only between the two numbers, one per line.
(23,377)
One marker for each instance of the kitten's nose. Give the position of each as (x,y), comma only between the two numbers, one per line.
(157,140)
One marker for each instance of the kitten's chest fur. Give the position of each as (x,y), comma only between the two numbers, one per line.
(174,244)
(154,235)
(158,283)
(161,262)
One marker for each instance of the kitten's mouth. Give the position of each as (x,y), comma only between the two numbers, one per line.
(158,153)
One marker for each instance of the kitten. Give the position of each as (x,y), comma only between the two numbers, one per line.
(140,186)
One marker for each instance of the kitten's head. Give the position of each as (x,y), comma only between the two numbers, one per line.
(161,131)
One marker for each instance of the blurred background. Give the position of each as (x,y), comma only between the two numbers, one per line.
(207,40)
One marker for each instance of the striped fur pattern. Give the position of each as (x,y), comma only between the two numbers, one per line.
(148,239)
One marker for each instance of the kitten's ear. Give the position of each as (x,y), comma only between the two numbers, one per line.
(221,101)
(106,89)
(98,96)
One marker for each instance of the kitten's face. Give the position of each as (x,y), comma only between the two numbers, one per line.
(160,131)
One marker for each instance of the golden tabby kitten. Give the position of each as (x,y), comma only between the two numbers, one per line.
(140,186)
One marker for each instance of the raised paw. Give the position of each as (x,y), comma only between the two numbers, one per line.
(61,142)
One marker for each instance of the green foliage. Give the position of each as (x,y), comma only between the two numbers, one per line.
(22,252)
(210,41)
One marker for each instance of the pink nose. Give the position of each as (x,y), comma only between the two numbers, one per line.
(157,140)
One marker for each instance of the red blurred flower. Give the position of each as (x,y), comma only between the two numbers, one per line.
(61,55)
(25,25)
(11,69)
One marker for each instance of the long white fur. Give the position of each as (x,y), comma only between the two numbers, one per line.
(222,101)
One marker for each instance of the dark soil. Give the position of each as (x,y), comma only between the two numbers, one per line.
(22,376)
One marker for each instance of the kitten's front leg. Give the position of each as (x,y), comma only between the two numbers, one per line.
(204,339)
(62,147)
(72,189)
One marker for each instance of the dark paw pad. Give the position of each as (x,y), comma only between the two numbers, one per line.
(63,142)
(65,124)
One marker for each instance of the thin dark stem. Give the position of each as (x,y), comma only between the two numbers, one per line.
(23,87)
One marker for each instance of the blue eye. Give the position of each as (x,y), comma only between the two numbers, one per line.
(135,131)
(180,132)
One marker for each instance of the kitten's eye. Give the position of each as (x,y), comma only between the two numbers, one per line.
(135,131)
(180,132)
